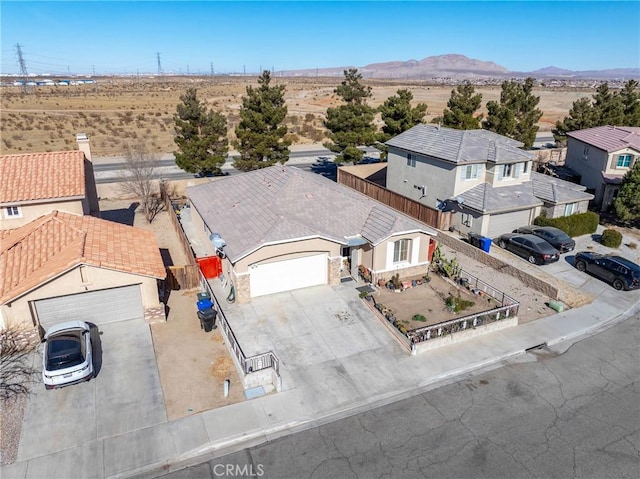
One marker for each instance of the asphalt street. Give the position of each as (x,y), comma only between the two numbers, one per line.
(569,411)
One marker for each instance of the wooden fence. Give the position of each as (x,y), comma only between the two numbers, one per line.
(431,216)
(186,276)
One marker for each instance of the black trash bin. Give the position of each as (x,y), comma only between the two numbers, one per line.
(474,239)
(207,319)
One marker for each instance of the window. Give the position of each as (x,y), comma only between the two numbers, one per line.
(624,161)
(13,212)
(470,172)
(569,208)
(411,160)
(401,250)
(507,171)
(525,167)
(585,152)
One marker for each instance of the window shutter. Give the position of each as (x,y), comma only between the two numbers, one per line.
(516,170)
(463,172)
(500,170)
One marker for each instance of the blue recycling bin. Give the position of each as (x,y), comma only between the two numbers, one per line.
(204,304)
(485,244)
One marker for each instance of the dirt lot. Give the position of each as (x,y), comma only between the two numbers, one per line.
(117,112)
(193,365)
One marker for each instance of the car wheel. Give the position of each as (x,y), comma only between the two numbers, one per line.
(532,259)
(618,284)
(581,266)
(502,244)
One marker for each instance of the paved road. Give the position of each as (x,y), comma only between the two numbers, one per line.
(551,413)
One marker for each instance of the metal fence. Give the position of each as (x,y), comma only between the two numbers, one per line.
(508,308)
(248,364)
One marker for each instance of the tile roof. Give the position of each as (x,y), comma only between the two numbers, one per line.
(460,146)
(488,199)
(50,245)
(609,138)
(41,176)
(283,203)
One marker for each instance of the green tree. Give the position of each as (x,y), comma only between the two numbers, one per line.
(200,134)
(398,115)
(630,97)
(627,204)
(581,116)
(516,115)
(607,106)
(351,125)
(461,108)
(261,131)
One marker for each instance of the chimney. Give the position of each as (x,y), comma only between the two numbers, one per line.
(83,145)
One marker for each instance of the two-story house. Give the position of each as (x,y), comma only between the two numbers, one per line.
(602,156)
(483,177)
(34,184)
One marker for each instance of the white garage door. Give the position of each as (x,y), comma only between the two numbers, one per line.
(98,307)
(286,275)
(507,222)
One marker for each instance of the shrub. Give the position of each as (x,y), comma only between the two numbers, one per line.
(419,317)
(611,238)
(574,225)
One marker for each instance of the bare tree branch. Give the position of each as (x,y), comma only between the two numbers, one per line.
(16,362)
(138,177)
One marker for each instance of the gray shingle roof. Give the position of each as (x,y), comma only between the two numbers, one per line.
(609,138)
(460,146)
(283,203)
(487,199)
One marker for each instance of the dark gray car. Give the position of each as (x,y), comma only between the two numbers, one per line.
(531,247)
(554,236)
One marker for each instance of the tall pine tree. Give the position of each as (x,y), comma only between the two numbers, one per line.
(351,125)
(201,136)
(261,132)
(607,106)
(398,115)
(516,115)
(630,97)
(627,204)
(581,116)
(461,108)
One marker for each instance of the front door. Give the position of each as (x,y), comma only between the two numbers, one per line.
(355,259)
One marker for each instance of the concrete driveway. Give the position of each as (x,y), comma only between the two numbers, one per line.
(124,396)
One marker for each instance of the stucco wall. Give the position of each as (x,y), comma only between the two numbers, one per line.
(31,212)
(556,211)
(290,250)
(589,166)
(79,280)
(383,253)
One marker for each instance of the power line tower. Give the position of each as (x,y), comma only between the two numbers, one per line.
(159,64)
(23,69)
(212,73)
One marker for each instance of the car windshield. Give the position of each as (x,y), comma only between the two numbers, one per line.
(64,352)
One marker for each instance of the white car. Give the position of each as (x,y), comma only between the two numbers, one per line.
(67,357)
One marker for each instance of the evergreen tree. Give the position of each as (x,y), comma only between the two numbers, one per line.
(627,204)
(630,97)
(201,136)
(398,115)
(608,107)
(261,131)
(461,107)
(516,115)
(581,116)
(351,125)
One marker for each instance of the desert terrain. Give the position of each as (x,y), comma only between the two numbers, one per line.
(115,112)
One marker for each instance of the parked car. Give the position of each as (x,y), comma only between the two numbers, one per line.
(67,357)
(554,236)
(531,247)
(619,271)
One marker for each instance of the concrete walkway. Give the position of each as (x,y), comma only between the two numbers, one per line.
(340,388)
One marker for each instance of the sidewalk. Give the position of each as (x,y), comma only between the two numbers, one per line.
(173,445)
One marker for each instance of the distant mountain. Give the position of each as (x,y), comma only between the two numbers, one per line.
(460,67)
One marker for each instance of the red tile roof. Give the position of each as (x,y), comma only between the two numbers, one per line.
(54,243)
(41,176)
(609,138)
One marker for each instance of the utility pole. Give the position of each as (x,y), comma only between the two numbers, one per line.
(93,67)
(23,69)
(187,70)
(212,72)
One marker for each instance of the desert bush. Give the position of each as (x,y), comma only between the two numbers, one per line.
(611,238)
(574,225)
(419,317)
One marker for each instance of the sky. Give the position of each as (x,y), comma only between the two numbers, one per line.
(125,37)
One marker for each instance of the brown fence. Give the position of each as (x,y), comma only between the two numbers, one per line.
(183,277)
(188,275)
(431,216)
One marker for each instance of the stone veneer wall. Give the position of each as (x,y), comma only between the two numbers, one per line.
(534,282)
(334,270)
(243,288)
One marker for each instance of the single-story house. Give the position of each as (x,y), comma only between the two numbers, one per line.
(63,266)
(281,228)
